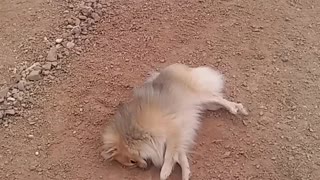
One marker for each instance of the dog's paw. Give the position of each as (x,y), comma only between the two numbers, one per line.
(238,107)
(186,174)
(165,172)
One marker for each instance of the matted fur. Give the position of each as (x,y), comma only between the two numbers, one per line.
(161,120)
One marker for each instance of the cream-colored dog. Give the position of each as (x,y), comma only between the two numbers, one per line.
(160,122)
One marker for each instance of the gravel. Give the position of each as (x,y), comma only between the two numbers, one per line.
(52,54)
(34,75)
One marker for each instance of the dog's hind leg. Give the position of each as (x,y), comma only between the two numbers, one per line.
(232,107)
(212,106)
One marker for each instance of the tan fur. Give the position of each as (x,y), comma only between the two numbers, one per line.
(161,121)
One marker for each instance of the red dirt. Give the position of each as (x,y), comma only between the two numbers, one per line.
(268,51)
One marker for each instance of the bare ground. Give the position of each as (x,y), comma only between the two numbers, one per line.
(268,51)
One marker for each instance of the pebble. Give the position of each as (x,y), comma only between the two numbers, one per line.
(87,41)
(15,91)
(77,21)
(30,136)
(45,72)
(47,66)
(82,17)
(4,92)
(10,112)
(21,85)
(34,75)
(11,99)
(95,16)
(261,113)
(70,45)
(86,11)
(1,114)
(59,40)
(76,30)
(226,154)
(32,122)
(33,168)
(37,153)
(52,54)
(1,99)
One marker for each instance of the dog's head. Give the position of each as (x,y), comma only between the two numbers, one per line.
(116,149)
(122,139)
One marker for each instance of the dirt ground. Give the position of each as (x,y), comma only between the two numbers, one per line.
(269,52)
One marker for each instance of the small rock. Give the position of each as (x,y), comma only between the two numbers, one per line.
(261,113)
(81,17)
(255,30)
(71,6)
(46,73)
(70,45)
(99,6)
(14,91)
(59,40)
(86,11)
(9,112)
(90,22)
(95,17)
(87,41)
(69,26)
(4,92)
(47,66)
(33,168)
(52,54)
(1,99)
(1,114)
(21,85)
(30,136)
(32,122)
(54,64)
(11,99)
(37,153)
(226,154)
(285,59)
(76,30)
(273,158)
(19,96)
(162,60)
(77,21)
(34,75)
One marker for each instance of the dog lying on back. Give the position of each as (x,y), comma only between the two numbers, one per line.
(161,121)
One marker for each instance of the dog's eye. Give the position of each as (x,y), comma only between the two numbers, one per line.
(133,161)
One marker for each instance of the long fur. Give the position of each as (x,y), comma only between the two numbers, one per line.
(161,120)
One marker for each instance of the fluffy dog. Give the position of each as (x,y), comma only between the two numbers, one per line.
(161,121)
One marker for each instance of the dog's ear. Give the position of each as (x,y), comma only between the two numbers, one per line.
(108,154)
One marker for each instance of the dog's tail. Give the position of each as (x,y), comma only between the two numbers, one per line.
(209,79)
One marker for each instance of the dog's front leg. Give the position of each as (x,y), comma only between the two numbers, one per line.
(170,158)
(167,166)
(184,164)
